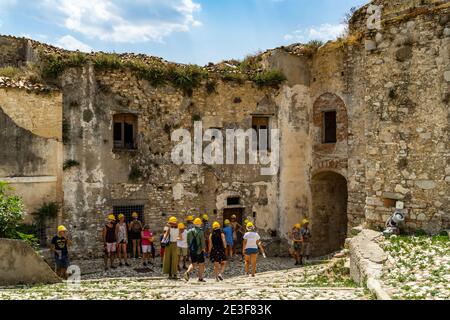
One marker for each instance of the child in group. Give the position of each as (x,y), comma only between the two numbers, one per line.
(147,240)
(59,247)
(306,241)
(182,247)
(251,244)
(122,240)
(228,231)
(217,246)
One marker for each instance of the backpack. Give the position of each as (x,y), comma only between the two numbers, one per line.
(136,226)
(193,246)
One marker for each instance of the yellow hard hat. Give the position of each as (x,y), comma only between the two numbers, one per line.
(190,218)
(226,222)
(121,216)
(135,215)
(297,226)
(181,226)
(305,221)
(61,228)
(205,217)
(249,225)
(246,221)
(173,220)
(216,225)
(112,217)
(198,222)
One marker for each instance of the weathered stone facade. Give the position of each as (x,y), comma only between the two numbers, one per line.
(389,89)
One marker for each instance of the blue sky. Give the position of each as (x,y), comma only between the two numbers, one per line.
(186,31)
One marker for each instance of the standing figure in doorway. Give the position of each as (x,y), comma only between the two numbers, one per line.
(135,228)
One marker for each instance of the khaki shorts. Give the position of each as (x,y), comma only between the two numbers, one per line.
(111,247)
(182,252)
(305,249)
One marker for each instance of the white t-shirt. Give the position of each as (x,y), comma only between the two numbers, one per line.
(174,232)
(252,238)
(183,242)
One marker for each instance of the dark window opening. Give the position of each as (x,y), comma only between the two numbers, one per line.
(330,127)
(125,128)
(261,126)
(233,201)
(127,211)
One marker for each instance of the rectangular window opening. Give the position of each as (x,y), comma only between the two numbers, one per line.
(330,127)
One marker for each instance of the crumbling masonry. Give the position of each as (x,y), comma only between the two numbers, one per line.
(364,124)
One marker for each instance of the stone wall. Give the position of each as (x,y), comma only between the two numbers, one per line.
(31,145)
(406,106)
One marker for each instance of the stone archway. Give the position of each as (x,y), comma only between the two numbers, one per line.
(329,212)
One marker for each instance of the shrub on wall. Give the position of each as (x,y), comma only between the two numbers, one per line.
(270,78)
(109,61)
(187,77)
(11,211)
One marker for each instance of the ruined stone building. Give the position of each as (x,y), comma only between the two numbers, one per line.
(364,124)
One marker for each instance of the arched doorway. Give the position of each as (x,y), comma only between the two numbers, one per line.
(329,214)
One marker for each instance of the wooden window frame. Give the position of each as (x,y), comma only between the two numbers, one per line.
(125,118)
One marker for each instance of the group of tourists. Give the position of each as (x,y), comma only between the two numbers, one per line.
(184,246)
(199,240)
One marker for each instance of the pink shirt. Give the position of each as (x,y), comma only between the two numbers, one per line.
(147,233)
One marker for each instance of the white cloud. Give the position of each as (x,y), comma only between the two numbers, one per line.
(126,21)
(70,43)
(324,32)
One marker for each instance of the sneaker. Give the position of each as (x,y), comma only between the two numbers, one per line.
(201,280)
(220,277)
(186,276)
(120,264)
(127,264)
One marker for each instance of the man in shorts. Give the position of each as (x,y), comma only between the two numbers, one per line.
(296,243)
(197,246)
(110,241)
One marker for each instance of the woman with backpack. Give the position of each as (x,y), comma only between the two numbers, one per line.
(197,245)
(170,238)
(135,228)
(217,246)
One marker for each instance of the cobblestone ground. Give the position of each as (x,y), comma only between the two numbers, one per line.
(277,279)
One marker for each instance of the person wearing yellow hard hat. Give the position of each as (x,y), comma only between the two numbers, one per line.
(306,241)
(228,231)
(207,230)
(252,245)
(122,241)
(147,245)
(189,222)
(182,245)
(237,233)
(135,229)
(196,247)
(296,238)
(217,246)
(109,237)
(59,247)
(170,238)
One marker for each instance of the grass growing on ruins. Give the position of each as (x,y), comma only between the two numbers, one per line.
(270,78)
(418,267)
(186,78)
(10,72)
(107,61)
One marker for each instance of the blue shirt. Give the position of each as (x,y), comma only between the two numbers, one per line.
(228,231)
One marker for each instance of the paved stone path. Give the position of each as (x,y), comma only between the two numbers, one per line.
(286,282)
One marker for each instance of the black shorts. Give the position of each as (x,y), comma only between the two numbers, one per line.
(198,258)
(135,235)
